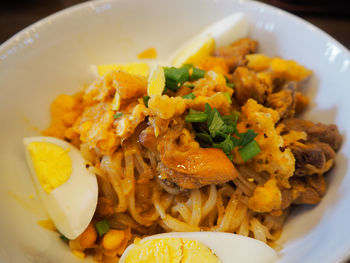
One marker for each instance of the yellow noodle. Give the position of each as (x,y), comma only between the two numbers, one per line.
(196,207)
(128,181)
(177,225)
(211,201)
(157,204)
(113,175)
(212,217)
(143,220)
(107,190)
(238,216)
(229,211)
(258,230)
(183,210)
(240,183)
(228,191)
(244,227)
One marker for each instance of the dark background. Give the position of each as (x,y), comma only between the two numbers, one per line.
(333,16)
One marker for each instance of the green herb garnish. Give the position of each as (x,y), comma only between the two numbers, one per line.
(196,116)
(229,83)
(102,227)
(117,115)
(175,77)
(146,99)
(195,73)
(190,96)
(249,150)
(214,130)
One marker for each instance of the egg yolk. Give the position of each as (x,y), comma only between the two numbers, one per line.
(52,164)
(175,250)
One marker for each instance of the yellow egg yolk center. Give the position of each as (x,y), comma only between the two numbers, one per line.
(52,164)
(175,250)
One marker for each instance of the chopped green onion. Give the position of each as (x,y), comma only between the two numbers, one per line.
(64,238)
(249,151)
(175,77)
(189,85)
(220,131)
(196,117)
(226,145)
(192,111)
(227,96)
(228,82)
(117,115)
(189,96)
(146,99)
(247,137)
(195,73)
(102,227)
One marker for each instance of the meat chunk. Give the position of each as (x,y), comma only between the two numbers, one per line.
(326,133)
(188,165)
(248,85)
(316,132)
(234,55)
(308,191)
(304,190)
(313,158)
(287,198)
(284,101)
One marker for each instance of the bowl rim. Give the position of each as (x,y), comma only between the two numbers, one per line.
(36,27)
(20,35)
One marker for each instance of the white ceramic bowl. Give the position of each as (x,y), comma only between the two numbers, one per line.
(53,55)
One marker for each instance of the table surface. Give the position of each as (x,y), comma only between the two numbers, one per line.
(17,14)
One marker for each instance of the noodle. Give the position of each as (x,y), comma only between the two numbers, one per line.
(211,201)
(158,171)
(177,225)
(183,210)
(114,178)
(196,207)
(223,224)
(133,211)
(244,227)
(128,181)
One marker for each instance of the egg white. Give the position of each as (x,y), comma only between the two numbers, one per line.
(71,205)
(229,248)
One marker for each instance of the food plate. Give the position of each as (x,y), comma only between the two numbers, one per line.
(53,57)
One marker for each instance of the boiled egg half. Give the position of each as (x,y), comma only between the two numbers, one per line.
(67,189)
(198,247)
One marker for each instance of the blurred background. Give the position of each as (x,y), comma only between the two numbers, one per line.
(333,16)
